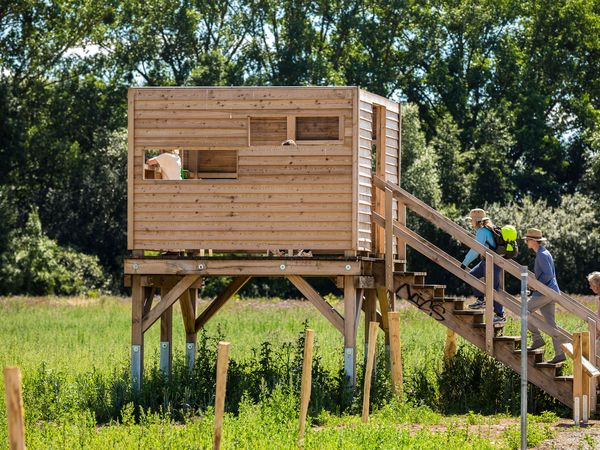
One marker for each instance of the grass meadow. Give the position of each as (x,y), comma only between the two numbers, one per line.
(74,357)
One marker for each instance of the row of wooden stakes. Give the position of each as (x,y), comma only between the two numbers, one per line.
(14,398)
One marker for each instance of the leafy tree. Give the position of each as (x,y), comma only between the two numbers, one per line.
(36,265)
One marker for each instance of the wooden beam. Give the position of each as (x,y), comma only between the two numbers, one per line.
(350,330)
(168,300)
(489,303)
(137,333)
(328,311)
(14,408)
(389,248)
(238,267)
(220,300)
(188,311)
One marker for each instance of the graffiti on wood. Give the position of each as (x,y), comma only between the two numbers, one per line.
(428,306)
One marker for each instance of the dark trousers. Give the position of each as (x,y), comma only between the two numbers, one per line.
(479,272)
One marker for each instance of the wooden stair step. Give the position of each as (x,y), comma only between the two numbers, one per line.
(547,365)
(469,312)
(515,339)
(564,378)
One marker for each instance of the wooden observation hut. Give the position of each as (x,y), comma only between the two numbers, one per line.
(294,182)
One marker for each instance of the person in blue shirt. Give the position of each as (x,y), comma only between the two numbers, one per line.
(480,222)
(544,272)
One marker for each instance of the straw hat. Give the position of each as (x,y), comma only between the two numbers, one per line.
(535,235)
(478,215)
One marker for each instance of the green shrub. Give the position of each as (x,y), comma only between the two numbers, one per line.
(36,265)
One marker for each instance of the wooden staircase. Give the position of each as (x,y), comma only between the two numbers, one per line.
(476,326)
(453,313)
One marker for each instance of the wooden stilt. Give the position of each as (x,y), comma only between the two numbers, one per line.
(384,307)
(166,342)
(577,378)
(370,314)
(373,327)
(188,311)
(350,295)
(586,380)
(396,352)
(137,333)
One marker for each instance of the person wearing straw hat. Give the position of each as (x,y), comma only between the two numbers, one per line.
(480,222)
(546,273)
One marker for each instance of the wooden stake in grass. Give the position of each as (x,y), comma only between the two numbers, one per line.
(306,383)
(395,351)
(373,327)
(450,345)
(222,365)
(14,408)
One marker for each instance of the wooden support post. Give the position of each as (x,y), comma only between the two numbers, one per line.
(396,352)
(450,345)
(14,408)
(350,330)
(389,248)
(166,342)
(188,311)
(373,327)
(489,303)
(401,243)
(137,333)
(222,366)
(586,380)
(384,307)
(370,314)
(592,358)
(306,383)
(577,378)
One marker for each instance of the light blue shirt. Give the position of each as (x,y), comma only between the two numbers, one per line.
(544,270)
(484,236)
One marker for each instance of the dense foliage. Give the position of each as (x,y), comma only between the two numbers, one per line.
(506,94)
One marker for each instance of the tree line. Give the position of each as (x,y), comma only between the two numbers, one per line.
(502,103)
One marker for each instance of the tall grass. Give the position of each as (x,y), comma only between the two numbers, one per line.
(74,355)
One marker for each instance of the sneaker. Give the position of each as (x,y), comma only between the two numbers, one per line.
(479,304)
(499,319)
(536,344)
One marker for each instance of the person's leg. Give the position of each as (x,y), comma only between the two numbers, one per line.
(549,313)
(498,308)
(478,271)
(533,305)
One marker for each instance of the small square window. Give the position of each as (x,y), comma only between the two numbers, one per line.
(268,130)
(318,128)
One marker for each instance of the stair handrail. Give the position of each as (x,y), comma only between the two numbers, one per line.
(438,219)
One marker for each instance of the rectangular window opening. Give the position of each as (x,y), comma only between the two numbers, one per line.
(268,130)
(190,164)
(318,128)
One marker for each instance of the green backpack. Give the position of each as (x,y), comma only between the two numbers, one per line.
(506,241)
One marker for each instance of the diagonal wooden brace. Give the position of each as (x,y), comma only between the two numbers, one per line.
(220,300)
(168,300)
(320,303)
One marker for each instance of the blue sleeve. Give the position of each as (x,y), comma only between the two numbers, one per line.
(483,236)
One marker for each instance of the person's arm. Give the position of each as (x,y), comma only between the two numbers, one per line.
(481,237)
(545,272)
(152,162)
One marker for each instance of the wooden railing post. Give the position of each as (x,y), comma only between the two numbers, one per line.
(401,243)
(14,408)
(389,248)
(586,380)
(577,378)
(489,303)
(594,360)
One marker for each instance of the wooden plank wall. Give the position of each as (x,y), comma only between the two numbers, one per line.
(284,196)
(365,164)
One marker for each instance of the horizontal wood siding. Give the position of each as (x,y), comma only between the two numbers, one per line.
(284,197)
